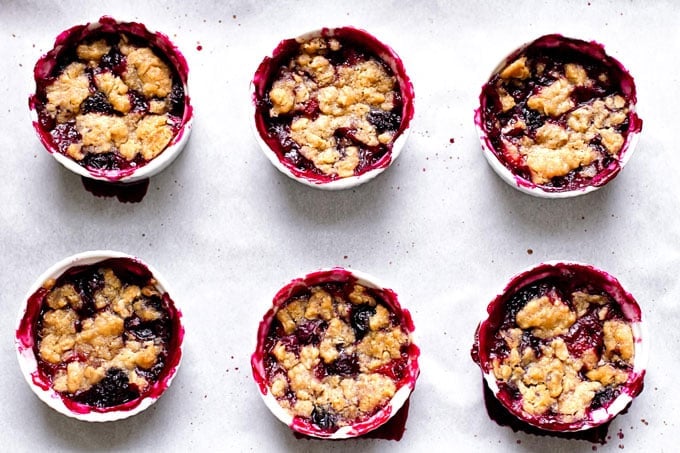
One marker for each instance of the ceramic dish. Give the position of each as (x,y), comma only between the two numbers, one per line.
(564,347)
(557,117)
(335,356)
(332,107)
(112,101)
(99,338)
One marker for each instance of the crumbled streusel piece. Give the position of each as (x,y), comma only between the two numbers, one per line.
(546,317)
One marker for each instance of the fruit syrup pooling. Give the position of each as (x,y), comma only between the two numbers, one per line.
(554,60)
(114,389)
(64,134)
(279,128)
(132,192)
(585,334)
(345,365)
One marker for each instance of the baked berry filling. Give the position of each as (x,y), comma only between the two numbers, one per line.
(111,101)
(335,354)
(559,348)
(559,113)
(104,335)
(331,107)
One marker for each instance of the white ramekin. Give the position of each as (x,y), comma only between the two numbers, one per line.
(25,336)
(160,41)
(264,77)
(383,415)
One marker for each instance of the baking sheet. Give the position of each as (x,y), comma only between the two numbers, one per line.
(439,226)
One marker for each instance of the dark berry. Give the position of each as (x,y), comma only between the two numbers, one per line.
(113,60)
(583,94)
(359,320)
(530,341)
(311,331)
(87,283)
(522,297)
(322,418)
(384,120)
(152,373)
(345,365)
(311,109)
(585,334)
(64,135)
(107,161)
(604,397)
(138,101)
(141,330)
(351,56)
(97,103)
(112,390)
(291,343)
(176,98)
(533,119)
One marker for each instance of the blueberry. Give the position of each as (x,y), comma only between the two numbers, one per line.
(112,390)
(107,161)
(310,332)
(112,60)
(87,283)
(97,103)
(138,101)
(360,318)
(384,120)
(65,134)
(322,418)
(291,343)
(522,297)
(603,397)
(345,365)
(141,330)
(533,119)
(177,99)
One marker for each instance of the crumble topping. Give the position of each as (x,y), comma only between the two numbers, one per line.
(335,356)
(338,104)
(67,93)
(554,119)
(93,51)
(146,72)
(98,333)
(564,356)
(548,317)
(117,105)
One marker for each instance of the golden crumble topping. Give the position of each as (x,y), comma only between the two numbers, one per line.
(115,90)
(344,93)
(67,93)
(516,70)
(120,107)
(93,51)
(618,341)
(572,134)
(553,100)
(553,375)
(548,317)
(331,354)
(82,346)
(146,72)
